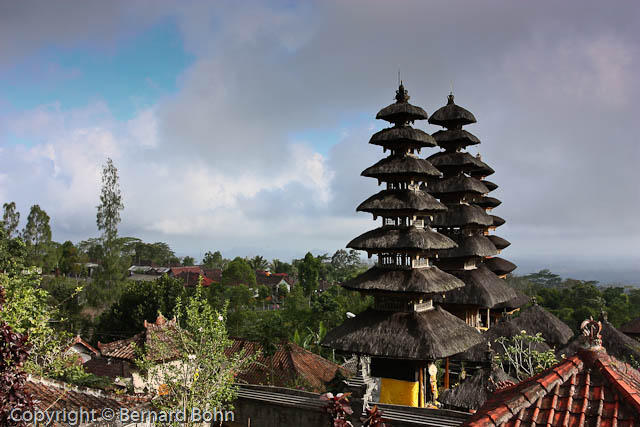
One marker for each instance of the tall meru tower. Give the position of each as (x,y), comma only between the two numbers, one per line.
(404,332)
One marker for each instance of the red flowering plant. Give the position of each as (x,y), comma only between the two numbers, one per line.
(338,407)
(14,351)
(374,418)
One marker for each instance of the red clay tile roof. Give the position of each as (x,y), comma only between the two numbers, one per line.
(122,349)
(108,367)
(192,279)
(50,395)
(78,340)
(213,274)
(588,389)
(270,279)
(192,269)
(288,364)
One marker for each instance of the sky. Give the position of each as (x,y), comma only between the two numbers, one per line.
(243,126)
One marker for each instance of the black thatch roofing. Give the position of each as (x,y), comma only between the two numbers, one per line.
(452,115)
(455,161)
(402,136)
(490,185)
(617,344)
(401,202)
(458,215)
(414,281)
(482,287)
(469,246)
(401,112)
(519,301)
(458,184)
(392,239)
(488,202)
(503,328)
(426,335)
(393,167)
(498,242)
(497,221)
(484,170)
(474,391)
(536,319)
(452,139)
(499,265)
(632,327)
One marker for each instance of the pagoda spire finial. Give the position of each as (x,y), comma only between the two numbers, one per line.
(401,94)
(450,98)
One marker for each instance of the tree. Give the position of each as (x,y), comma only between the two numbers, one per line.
(186,362)
(258,263)
(237,272)
(70,260)
(214,260)
(188,261)
(107,220)
(277,266)
(37,236)
(10,219)
(521,358)
(309,272)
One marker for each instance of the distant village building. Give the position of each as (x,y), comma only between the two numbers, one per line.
(404,333)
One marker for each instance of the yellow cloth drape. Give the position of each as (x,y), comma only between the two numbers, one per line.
(398,392)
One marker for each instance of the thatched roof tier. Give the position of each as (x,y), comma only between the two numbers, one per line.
(402,137)
(482,287)
(452,115)
(520,300)
(469,246)
(632,327)
(417,281)
(617,344)
(425,335)
(401,168)
(482,171)
(458,184)
(474,391)
(536,319)
(490,185)
(500,266)
(458,215)
(452,139)
(487,202)
(504,328)
(497,221)
(401,239)
(401,202)
(498,242)
(453,162)
(401,112)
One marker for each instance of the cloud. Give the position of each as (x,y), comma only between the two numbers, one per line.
(215,165)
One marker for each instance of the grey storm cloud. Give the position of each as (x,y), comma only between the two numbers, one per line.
(553,84)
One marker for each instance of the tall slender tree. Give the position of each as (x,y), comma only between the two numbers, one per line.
(37,236)
(10,219)
(107,219)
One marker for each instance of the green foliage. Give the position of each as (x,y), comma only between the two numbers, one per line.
(200,375)
(71,260)
(37,236)
(13,253)
(573,300)
(258,263)
(140,301)
(521,359)
(238,272)
(214,260)
(10,219)
(309,274)
(277,266)
(112,267)
(188,261)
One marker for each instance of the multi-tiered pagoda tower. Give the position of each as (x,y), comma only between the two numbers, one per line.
(404,332)
(467,221)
